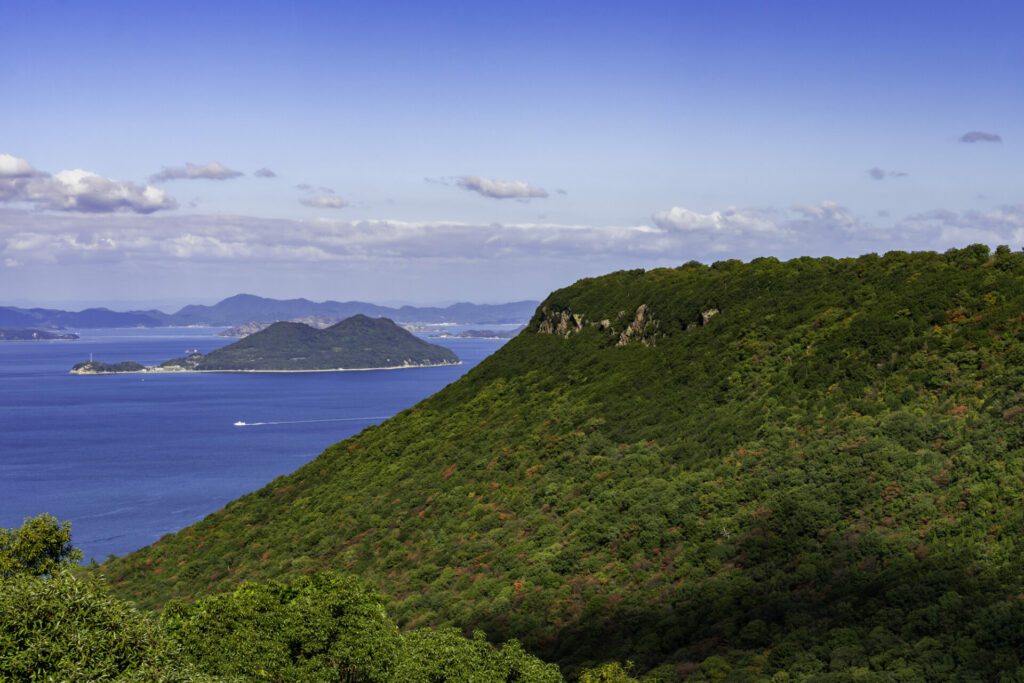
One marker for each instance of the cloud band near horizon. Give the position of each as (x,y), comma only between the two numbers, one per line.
(678,234)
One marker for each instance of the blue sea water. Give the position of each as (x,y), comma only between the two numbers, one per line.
(129,458)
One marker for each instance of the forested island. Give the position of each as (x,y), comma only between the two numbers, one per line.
(357,343)
(23,334)
(804,470)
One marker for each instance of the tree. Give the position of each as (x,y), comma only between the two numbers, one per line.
(609,672)
(444,654)
(64,628)
(54,626)
(39,548)
(323,627)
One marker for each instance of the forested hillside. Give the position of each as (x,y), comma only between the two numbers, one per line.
(356,342)
(798,468)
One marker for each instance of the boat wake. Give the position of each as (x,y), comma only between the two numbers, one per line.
(295,422)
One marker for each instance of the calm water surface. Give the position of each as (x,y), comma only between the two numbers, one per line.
(128,458)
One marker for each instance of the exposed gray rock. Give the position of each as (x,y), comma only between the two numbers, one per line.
(643,329)
(562,323)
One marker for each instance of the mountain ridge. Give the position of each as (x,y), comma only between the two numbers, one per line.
(808,467)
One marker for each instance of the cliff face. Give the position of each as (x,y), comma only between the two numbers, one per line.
(742,470)
(640,328)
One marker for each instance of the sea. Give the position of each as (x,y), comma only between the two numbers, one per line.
(128,458)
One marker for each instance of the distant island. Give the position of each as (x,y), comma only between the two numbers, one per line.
(356,343)
(479,334)
(245,308)
(320,322)
(21,334)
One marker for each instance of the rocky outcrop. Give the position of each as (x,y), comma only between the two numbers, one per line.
(562,323)
(643,329)
(639,328)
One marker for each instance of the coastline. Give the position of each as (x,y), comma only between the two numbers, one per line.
(156,370)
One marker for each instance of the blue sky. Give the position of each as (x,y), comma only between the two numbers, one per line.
(166,153)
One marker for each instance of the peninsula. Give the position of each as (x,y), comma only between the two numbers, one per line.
(18,334)
(356,343)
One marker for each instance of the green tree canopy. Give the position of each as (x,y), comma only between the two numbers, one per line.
(39,548)
(324,627)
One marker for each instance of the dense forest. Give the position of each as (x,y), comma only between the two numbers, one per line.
(325,627)
(801,470)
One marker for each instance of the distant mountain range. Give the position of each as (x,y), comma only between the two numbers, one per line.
(244,308)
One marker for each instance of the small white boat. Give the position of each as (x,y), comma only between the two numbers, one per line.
(239,424)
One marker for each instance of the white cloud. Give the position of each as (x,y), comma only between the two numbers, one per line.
(500,189)
(264,173)
(76,190)
(325,201)
(997,226)
(211,171)
(826,216)
(13,167)
(730,221)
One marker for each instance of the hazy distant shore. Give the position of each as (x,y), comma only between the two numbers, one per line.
(173,371)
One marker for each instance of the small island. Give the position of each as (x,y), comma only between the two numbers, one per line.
(94,367)
(356,343)
(20,334)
